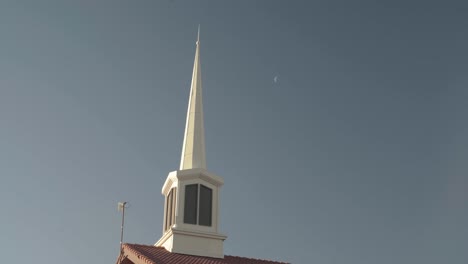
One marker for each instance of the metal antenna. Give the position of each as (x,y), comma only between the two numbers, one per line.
(121,207)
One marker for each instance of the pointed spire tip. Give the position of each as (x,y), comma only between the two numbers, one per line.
(198,35)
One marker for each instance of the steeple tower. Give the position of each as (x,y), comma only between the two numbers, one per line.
(191,210)
(193,149)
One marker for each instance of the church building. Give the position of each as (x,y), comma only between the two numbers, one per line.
(191,211)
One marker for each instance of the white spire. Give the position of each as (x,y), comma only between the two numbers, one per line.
(192,227)
(193,149)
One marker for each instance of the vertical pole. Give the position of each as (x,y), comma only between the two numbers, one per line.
(122,226)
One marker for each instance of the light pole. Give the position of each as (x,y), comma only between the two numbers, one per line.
(121,207)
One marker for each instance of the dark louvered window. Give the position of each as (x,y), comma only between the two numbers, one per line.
(191,202)
(166,220)
(206,195)
(173,206)
(170,209)
(198,205)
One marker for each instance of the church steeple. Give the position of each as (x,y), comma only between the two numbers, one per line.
(193,148)
(191,210)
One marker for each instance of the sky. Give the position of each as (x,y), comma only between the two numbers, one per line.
(339,127)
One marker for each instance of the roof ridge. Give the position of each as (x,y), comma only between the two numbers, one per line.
(136,244)
(257,259)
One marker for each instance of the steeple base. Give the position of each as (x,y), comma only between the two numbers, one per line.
(193,243)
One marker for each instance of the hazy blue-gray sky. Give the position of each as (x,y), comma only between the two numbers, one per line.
(357,154)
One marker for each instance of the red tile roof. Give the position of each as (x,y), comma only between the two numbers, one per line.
(158,255)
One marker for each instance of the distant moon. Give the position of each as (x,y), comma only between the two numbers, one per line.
(275,79)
